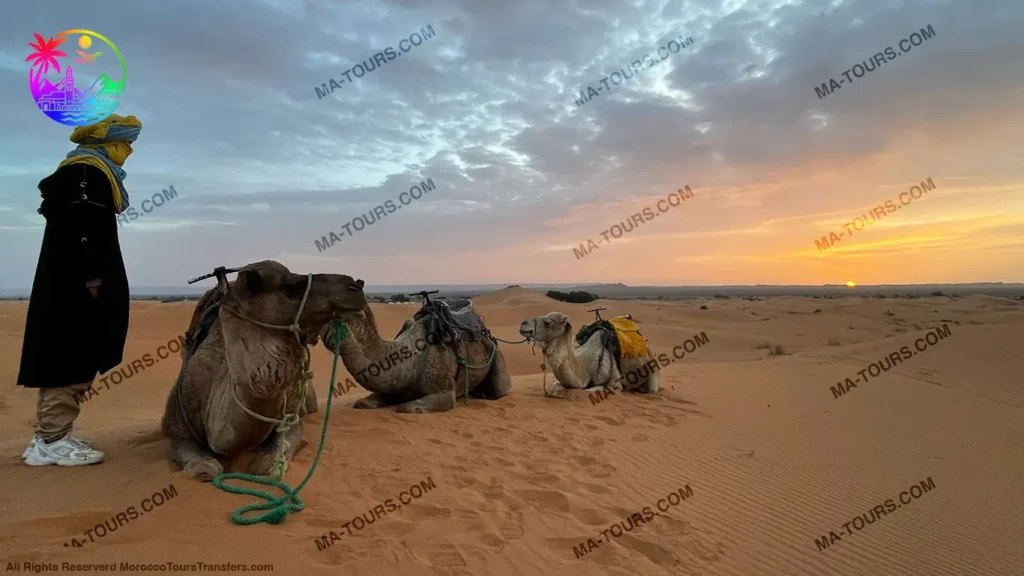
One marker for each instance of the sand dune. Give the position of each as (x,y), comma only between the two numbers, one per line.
(755,462)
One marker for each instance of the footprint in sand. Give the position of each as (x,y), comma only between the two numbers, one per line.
(584,460)
(545,499)
(594,488)
(590,517)
(611,421)
(600,470)
(449,559)
(654,552)
(512,531)
(641,438)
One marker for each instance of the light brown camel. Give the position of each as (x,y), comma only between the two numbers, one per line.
(241,368)
(590,365)
(414,371)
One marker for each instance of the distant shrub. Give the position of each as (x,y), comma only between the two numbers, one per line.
(937,293)
(574,297)
(834,342)
(703,306)
(399,298)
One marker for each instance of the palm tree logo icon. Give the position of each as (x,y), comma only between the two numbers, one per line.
(45,55)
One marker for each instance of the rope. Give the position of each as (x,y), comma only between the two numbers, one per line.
(278,507)
(462,361)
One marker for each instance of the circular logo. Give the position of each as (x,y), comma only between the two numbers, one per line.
(76,90)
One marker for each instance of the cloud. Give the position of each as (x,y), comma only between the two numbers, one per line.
(485,109)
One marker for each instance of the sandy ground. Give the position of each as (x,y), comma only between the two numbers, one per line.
(774,461)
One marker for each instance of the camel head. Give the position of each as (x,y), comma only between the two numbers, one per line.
(546,328)
(270,293)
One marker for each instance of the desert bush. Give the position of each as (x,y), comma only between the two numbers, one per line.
(575,297)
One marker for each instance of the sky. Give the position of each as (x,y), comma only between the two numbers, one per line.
(263,166)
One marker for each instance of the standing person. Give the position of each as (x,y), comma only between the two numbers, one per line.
(78,313)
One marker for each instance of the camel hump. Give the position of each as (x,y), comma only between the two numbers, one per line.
(631,342)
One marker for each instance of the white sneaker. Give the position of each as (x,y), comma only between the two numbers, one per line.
(35,439)
(31,446)
(68,451)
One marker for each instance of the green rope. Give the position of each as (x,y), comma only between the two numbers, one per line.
(461,360)
(278,507)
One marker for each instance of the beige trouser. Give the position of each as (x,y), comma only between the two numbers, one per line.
(57,410)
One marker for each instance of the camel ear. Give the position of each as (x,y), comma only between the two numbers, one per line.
(568,326)
(361,284)
(252,281)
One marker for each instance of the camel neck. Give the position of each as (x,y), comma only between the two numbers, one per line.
(565,364)
(262,363)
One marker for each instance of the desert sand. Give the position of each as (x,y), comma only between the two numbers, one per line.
(774,461)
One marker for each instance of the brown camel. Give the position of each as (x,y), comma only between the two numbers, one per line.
(240,375)
(590,365)
(414,370)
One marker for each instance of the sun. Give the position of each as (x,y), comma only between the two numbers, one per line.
(84,42)
(850,283)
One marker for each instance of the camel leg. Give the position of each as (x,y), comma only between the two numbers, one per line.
(311,402)
(497,383)
(197,462)
(264,460)
(374,400)
(651,386)
(556,389)
(436,402)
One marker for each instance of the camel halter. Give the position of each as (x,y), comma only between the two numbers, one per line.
(544,365)
(289,420)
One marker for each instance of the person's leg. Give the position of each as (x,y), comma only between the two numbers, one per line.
(45,398)
(56,412)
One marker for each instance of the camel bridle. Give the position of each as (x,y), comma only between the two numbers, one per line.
(293,327)
(289,419)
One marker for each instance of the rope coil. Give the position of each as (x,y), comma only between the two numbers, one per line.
(279,507)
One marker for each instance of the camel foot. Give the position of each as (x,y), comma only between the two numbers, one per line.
(204,470)
(437,402)
(651,386)
(263,462)
(374,400)
(556,390)
(614,386)
(196,461)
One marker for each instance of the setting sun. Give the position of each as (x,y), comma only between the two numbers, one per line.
(84,42)
(850,283)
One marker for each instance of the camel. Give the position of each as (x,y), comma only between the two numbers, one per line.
(416,371)
(242,373)
(590,365)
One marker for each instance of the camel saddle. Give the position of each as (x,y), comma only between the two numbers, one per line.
(452,321)
(620,336)
(205,314)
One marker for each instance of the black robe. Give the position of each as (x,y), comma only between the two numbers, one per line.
(69,335)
